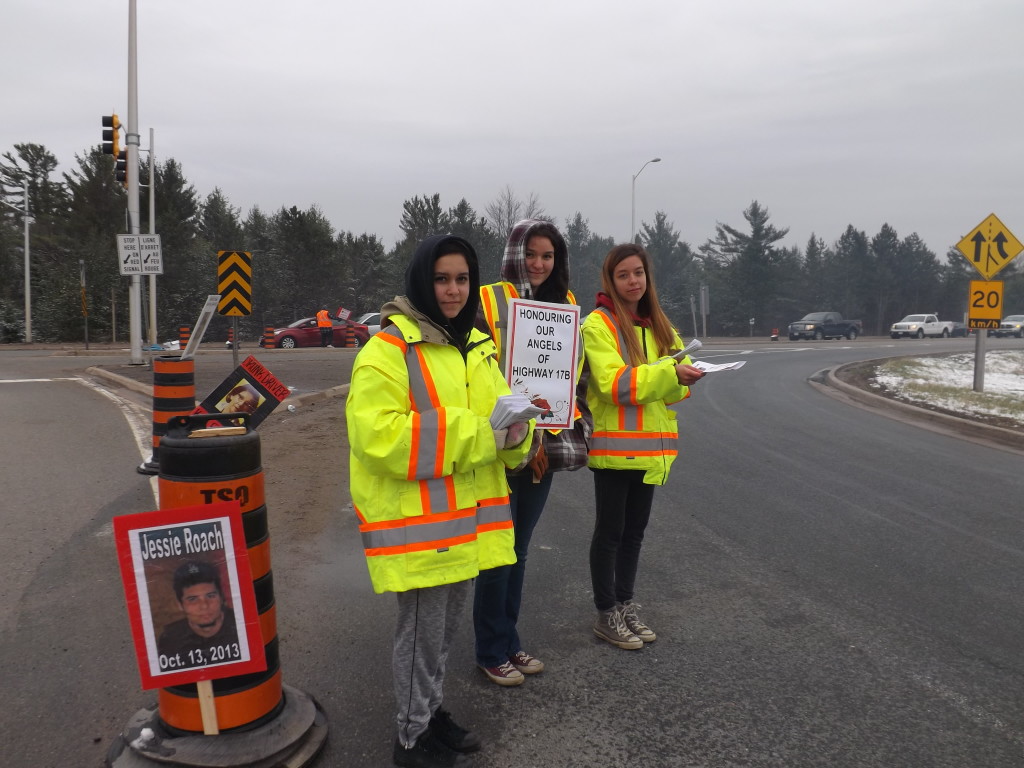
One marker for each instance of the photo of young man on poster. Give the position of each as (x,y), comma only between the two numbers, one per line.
(207,632)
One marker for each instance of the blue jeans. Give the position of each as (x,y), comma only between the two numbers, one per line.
(499,591)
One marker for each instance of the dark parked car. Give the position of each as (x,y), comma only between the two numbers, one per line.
(959,330)
(305,333)
(824,325)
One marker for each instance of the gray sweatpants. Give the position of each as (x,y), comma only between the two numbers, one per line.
(427,621)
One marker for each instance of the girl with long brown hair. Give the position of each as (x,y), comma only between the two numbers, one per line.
(633,379)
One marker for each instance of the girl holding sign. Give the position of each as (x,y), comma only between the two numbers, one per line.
(633,379)
(536,266)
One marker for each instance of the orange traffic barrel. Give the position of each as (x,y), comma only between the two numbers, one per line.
(268,336)
(174,394)
(184,334)
(259,721)
(224,468)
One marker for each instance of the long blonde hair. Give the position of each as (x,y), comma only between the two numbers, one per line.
(648,306)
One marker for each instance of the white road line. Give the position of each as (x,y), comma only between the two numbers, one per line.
(35,381)
(141,424)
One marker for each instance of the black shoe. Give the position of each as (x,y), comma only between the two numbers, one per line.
(451,734)
(427,752)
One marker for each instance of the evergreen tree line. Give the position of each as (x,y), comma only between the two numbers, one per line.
(301,262)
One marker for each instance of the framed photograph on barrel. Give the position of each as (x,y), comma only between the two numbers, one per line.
(190,594)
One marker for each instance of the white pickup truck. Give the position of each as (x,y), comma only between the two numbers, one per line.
(920,326)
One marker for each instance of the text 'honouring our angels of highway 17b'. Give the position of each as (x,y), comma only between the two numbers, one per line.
(542,351)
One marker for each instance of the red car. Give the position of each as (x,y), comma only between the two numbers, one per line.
(305,333)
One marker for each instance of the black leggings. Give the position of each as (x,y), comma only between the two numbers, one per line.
(623,509)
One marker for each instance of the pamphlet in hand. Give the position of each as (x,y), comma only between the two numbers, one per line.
(512,409)
(710,367)
(693,346)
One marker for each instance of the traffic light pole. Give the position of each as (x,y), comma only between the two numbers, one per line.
(28,269)
(152,231)
(132,142)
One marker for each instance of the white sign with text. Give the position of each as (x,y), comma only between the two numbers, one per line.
(129,258)
(541,352)
(149,250)
(139,255)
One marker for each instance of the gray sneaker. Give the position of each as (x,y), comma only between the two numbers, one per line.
(610,626)
(629,616)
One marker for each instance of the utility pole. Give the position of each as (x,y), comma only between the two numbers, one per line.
(152,231)
(85,306)
(132,145)
(27,220)
(632,219)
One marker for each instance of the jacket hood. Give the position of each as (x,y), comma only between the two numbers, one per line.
(605,301)
(419,286)
(513,265)
(430,331)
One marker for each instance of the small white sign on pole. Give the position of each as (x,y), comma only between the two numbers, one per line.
(129,256)
(541,353)
(205,314)
(149,250)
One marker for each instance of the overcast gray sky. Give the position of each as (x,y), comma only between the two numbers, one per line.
(828,113)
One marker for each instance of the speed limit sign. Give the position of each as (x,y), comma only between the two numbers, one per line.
(985,304)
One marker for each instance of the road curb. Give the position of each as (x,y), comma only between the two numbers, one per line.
(119,380)
(828,382)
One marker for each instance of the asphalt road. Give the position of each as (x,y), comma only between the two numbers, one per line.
(830,587)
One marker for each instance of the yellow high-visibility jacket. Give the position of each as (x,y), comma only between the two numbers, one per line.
(427,481)
(633,426)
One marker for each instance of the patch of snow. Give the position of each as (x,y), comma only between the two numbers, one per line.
(950,383)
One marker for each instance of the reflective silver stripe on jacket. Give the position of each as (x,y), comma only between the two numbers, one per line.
(417,381)
(426,455)
(629,414)
(495,513)
(420,533)
(632,445)
(501,300)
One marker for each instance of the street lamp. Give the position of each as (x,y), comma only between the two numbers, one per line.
(632,221)
(28,277)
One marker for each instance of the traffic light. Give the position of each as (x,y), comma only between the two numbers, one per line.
(111,135)
(121,167)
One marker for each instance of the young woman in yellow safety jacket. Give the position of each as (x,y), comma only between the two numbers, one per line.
(632,381)
(428,478)
(535,266)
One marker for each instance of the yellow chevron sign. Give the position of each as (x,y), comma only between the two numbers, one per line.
(234,283)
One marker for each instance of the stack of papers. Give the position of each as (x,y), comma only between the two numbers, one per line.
(512,409)
(710,368)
